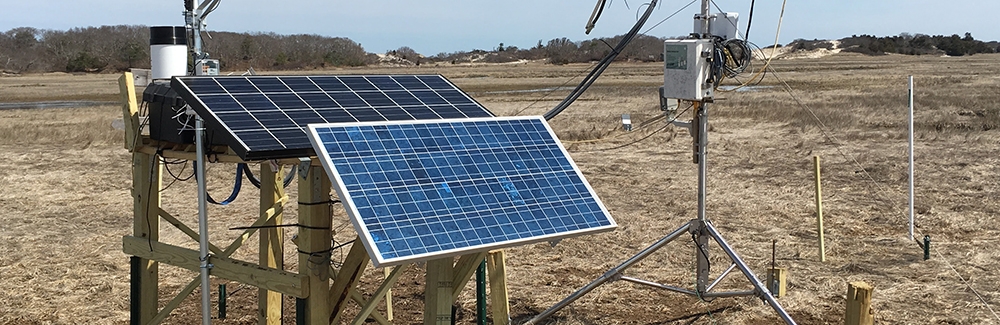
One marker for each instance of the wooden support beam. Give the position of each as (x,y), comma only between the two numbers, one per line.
(498,287)
(271,243)
(264,217)
(347,278)
(859,304)
(176,301)
(360,300)
(147,175)
(438,297)
(186,230)
(222,267)
(130,110)
(369,307)
(236,244)
(314,240)
(464,269)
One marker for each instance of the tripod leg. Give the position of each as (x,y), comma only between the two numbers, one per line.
(761,289)
(609,275)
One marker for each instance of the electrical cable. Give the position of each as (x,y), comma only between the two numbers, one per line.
(746,35)
(664,127)
(237,185)
(670,16)
(602,65)
(256,181)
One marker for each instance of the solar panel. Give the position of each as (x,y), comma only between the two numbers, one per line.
(265,117)
(418,190)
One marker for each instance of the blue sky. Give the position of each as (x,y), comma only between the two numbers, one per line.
(434,26)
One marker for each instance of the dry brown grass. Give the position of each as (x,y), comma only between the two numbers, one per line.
(66,184)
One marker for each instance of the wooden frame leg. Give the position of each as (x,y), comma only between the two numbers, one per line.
(314,243)
(438,295)
(498,288)
(147,175)
(271,243)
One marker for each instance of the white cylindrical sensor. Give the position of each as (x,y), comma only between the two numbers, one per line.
(168,51)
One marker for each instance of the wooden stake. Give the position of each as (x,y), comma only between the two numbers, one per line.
(271,241)
(859,304)
(819,211)
(314,243)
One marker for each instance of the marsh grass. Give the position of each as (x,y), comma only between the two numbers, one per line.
(67,183)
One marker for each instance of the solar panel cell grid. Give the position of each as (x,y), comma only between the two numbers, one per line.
(419,190)
(277,105)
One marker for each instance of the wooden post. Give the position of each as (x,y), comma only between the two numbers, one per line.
(438,292)
(498,288)
(776,281)
(130,110)
(146,182)
(859,304)
(819,211)
(314,243)
(271,253)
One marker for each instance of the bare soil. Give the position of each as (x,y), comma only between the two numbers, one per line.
(66,185)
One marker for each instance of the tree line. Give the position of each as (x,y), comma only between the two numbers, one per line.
(117,48)
(905,43)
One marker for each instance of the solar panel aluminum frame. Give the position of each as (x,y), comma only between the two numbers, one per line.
(366,237)
(218,130)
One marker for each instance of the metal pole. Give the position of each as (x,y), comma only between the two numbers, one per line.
(764,292)
(702,122)
(705,9)
(609,275)
(206,295)
(911,157)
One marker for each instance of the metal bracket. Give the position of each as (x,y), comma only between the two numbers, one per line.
(304,167)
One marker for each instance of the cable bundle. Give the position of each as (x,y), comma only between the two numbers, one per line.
(602,65)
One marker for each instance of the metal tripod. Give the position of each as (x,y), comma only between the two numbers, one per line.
(701,229)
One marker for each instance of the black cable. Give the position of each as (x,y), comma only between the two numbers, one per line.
(279,226)
(256,181)
(602,65)
(707,261)
(746,35)
(645,137)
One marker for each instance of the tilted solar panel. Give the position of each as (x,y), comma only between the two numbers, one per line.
(418,190)
(265,117)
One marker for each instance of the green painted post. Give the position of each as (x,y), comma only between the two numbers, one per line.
(222,301)
(927,247)
(481,294)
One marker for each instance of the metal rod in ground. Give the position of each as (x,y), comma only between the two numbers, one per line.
(761,289)
(609,275)
(927,247)
(911,158)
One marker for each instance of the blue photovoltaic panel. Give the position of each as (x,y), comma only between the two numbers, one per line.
(418,190)
(265,117)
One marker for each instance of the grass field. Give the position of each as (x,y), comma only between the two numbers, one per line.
(66,185)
